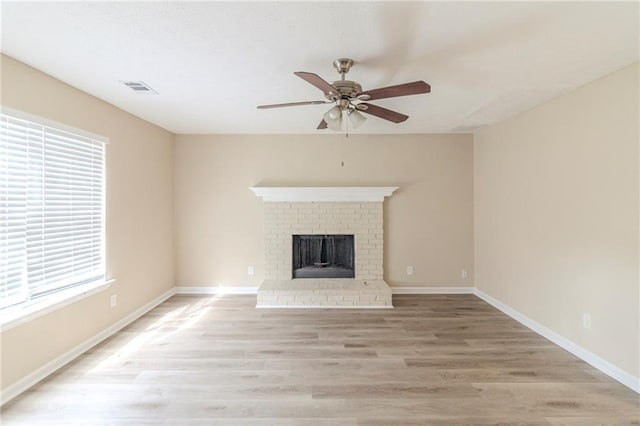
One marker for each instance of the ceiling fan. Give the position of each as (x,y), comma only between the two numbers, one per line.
(349,98)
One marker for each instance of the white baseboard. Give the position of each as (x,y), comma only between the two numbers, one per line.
(606,367)
(216,290)
(432,290)
(31,379)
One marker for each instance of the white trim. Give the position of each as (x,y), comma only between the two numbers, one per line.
(323,307)
(606,367)
(14,316)
(431,290)
(325,194)
(51,367)
(21,115)
(216,290)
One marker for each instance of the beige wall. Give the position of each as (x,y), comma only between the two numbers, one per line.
(428,221)
(556,215)
(139,217)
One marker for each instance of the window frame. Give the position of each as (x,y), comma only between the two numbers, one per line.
(20,313)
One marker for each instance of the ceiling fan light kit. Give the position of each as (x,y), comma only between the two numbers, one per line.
(356,118)
(333,118)
(349,97)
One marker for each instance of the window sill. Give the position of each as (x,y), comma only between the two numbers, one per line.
(14,316)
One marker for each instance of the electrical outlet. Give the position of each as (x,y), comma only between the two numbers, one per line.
(114,300)
(409,270)
(586,321)
(464,274)
(250,270)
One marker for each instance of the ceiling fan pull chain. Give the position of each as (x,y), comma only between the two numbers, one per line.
(347,127)
(344,140)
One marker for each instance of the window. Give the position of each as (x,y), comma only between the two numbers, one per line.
(51,210)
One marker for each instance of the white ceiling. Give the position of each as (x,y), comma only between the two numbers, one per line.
(213,62)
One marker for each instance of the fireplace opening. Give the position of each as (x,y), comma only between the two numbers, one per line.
(323,256)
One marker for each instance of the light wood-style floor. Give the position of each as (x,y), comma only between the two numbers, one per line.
(433,360)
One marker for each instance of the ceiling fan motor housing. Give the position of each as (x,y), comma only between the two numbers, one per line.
(347,88)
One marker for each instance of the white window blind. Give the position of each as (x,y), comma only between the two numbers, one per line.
(52,210)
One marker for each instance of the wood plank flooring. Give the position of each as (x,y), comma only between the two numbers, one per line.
(433,360)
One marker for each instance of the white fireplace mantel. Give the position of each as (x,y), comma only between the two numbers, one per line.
(324,194)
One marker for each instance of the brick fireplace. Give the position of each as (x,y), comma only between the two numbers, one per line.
(356,211)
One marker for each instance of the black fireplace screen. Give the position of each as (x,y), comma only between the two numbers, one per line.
(323,256)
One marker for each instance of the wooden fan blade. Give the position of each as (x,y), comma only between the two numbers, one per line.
(394,91)
(293,104)
(317,81)
(322,125)
(384,113)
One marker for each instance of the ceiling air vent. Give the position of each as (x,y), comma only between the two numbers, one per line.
(140,87)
